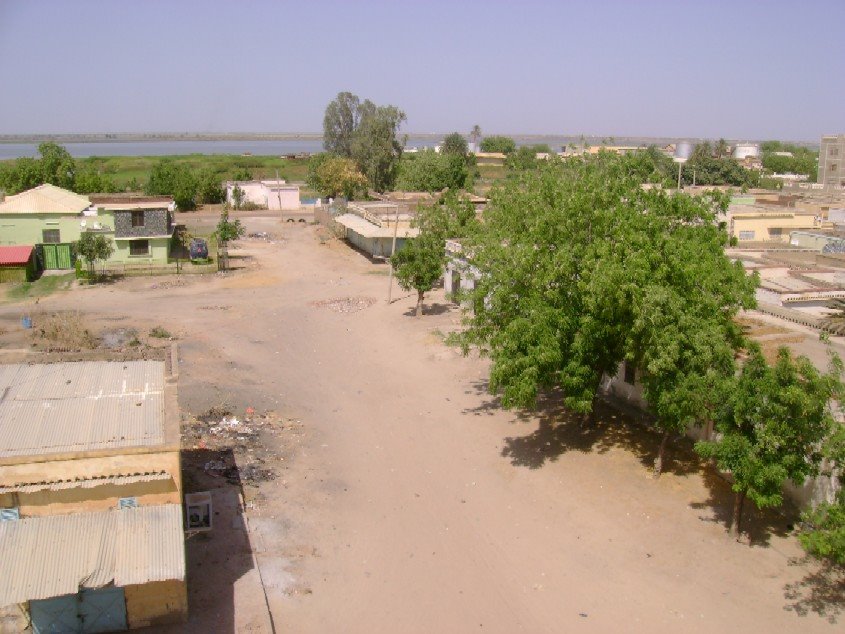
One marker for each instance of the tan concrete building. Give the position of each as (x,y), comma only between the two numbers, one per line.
(92,534)
(749,223)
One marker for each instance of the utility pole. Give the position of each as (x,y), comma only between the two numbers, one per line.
(392,252)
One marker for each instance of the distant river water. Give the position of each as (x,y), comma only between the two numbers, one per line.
(170,148)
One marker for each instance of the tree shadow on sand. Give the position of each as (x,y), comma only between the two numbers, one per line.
(613,426)
(618,426)
(434,308)
(822,590)
(758,525)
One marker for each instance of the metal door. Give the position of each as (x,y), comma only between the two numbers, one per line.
(56,615)
(63,258)
(101,610)
(50,258)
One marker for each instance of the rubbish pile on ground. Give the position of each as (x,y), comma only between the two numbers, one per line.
(345,304)
(262,235)
(233,448)
(179,281)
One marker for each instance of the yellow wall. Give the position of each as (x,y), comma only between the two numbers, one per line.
(766,227)
(97,498)
(156,603)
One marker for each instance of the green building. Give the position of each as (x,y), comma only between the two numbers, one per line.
(47,217)
(51,219)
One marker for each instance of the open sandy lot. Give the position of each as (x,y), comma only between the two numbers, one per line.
(407,500)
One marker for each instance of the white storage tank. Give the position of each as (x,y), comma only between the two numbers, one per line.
(746,150)
(683,150)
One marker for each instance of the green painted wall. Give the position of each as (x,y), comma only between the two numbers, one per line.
(159,252)
(23,229)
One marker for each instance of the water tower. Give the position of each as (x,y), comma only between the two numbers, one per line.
(683,150)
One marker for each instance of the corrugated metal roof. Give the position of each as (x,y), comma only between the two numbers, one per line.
(369,230)
(50,556)
(82,406)
(84,483)
(45,199)
(10,256)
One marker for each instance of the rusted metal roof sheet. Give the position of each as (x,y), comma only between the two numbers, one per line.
(45,199)
(15,256)
(82,406)
(84,483)
(50,556)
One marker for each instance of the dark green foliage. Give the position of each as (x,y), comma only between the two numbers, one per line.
(89,181)
(455,143)
(376,148)
(419,264)
(431,171)
(366,133)
(526,156)
(241,174)
(169,178)
(209,188)
(340,123)
(772,423)
(57,165)
(502,144)
(823,531)
(93,247)
(581,268)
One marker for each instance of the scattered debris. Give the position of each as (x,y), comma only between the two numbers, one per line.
(174,283)
(232,448)
(345,304)
(214,307)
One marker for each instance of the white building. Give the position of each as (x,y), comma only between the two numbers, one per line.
(275,195)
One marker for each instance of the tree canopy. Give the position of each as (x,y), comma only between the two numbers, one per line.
(581,268)
(94,247)
(432,171)
(455,143)
(771,426)
(366,133)
(169,178)
(502,144)
(56,166)
(335,176)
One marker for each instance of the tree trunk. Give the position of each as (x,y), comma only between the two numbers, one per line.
(735,529)
(589,418)
(658,462)
(419,303)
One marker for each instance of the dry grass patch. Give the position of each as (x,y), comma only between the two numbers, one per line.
(64,331)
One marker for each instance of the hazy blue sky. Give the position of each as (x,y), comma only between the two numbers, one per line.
(739,69)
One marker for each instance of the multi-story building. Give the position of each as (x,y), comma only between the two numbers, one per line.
(832,160)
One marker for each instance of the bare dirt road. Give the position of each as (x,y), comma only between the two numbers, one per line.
(408,501)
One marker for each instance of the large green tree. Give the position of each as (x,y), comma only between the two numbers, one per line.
(340,123)
(823,530)
(366,133)
(496,143)
(579,268)
(170,178)
(432,171)
(455,143)
(772,426)
(57,165)
(376,146)
(335,176)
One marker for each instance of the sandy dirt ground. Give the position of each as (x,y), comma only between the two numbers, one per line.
(405,499)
